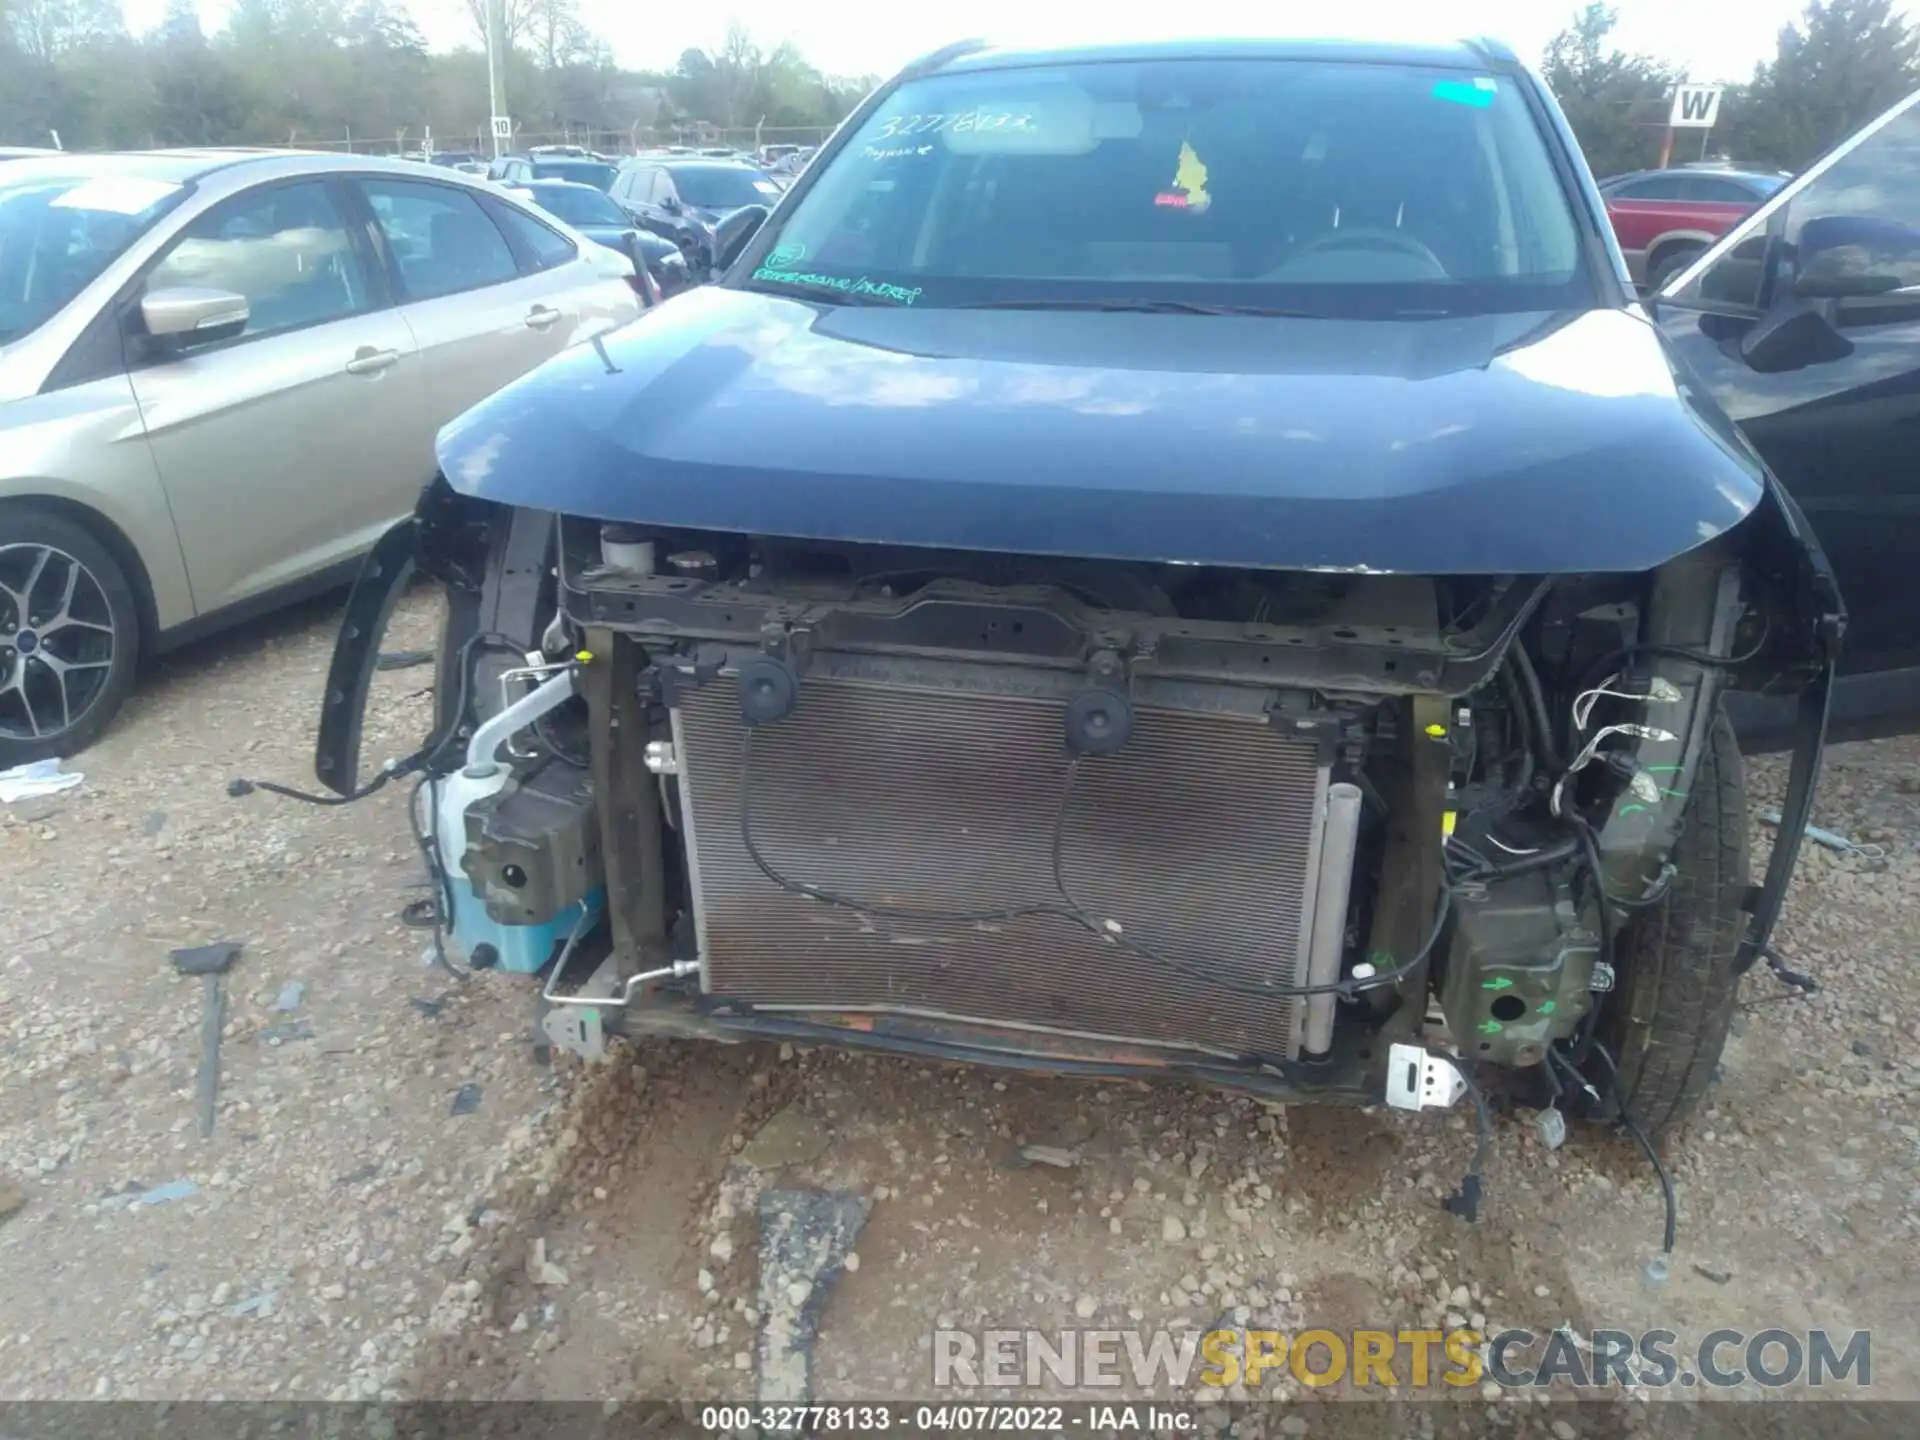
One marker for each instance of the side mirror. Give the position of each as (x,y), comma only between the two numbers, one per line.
(194,315)
(671,204)
(1841,256)
(731,235)
(1794,336)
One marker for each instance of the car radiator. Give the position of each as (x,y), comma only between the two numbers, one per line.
(1198,840)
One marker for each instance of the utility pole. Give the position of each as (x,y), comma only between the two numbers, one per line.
(497,67)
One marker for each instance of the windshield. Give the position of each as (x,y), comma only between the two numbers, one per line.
(581,172)
(1325,187)
(57,232)
(723,187)
(578,207)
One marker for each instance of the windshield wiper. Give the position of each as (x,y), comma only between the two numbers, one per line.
(1144,307)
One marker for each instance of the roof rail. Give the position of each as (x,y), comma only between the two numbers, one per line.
(927,63)
(1496,51)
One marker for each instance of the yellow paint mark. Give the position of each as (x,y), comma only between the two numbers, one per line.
(1446,822)
(1436,732)
(1191,178)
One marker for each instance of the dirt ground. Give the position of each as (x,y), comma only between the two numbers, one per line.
(401,1200)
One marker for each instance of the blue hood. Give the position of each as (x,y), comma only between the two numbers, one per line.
(1519,444)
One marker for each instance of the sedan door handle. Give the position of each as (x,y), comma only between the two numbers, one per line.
(369,361)
(541,316)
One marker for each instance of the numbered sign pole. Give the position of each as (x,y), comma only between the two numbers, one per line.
(1695,107)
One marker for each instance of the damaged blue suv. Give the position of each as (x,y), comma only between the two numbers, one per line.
(1178,560)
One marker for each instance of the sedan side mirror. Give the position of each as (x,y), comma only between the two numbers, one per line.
(194,315)
(731,235)
(671,204)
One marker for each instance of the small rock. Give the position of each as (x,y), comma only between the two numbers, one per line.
(466,1099)
(519,1325)
(1294,1425)
(1562,1430)
(290,996)
(1542,1291)
(1172,1230)
(12,1199)
(541,1270)
(790,1137)
(172,1190)
(852,1262)
(704,1281)
(722,1247)
(335,1291)
(1085,1306)
(1057,1156)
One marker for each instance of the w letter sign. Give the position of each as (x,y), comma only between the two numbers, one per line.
(1695,107)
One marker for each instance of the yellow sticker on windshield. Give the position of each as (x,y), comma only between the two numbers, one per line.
(1189,190)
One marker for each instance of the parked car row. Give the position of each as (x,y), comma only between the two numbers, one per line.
(221,375)
(160,314)
(681,196)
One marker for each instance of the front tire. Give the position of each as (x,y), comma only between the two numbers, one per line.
(1667,1023)
(1671,264)
(69,636)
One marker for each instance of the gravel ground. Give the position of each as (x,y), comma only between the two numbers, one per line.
(399,1201)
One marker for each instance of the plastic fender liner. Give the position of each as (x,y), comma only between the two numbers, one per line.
(356,651)
(1782,542)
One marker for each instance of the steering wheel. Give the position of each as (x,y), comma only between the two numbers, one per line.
(1367,237)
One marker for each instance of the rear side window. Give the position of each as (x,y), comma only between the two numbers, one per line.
(1724,192)
(442,241)
(547,246)
(286,248)
(1658,187)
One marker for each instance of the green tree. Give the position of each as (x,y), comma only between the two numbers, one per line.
(44,30)
(1838,66)
(198,97)
(1614,101)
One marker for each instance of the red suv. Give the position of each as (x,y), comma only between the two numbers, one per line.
(1664,219)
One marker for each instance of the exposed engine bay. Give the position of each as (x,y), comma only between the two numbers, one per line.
(1285,831)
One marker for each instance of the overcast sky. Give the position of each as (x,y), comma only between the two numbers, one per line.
(1715,41)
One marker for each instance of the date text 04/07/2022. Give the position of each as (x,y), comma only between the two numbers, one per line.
(946,1419)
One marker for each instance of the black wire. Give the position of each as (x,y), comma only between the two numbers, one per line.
(442,903)
(1611,661)
(1672,1229)
(1465,1202)
(422,759)
(1517,706)
(1537,701)
(1070,911)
